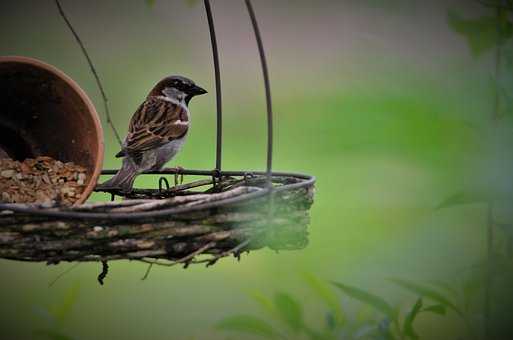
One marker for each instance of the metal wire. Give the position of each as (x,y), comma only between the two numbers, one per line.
(217,73)
(163,181)
(267,85)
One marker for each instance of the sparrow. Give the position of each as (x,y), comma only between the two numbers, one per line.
(157,131)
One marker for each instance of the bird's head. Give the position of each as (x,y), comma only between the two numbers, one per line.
(177,88)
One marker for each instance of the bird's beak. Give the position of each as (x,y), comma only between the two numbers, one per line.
(196,90)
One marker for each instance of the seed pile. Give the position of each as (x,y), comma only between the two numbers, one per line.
(41,180)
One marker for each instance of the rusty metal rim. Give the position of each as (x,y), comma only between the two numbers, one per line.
(88,104)
(307,181)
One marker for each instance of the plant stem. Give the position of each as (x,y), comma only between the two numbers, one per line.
(498,62)
(490,221)
(490,271)
(93,70)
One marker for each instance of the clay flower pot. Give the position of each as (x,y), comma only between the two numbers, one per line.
(44,112)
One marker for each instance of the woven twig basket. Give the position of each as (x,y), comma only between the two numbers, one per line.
(178,224)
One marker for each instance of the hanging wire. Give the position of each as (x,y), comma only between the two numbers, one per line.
(217,72)
(93,70)
(267,91)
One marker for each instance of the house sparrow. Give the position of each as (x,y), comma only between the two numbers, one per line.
(156,132)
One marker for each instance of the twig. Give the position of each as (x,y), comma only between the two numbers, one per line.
(189,200)
(103,274)
(215,258)
(147,272)
(93,70)
(106,205)
(62,274)
(183,259)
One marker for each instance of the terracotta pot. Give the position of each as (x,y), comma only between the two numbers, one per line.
(44,112)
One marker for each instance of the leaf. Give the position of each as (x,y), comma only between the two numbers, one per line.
(369,299)
(437,309)
(290,310)
(250,325)
(315,335)
(329,318)
(384,330)
(462,198)
(427,292)
(445,286)
(475,196)
(264,302)
(61,311)
(324,291)
(410,318)
(482,34)
(150,3)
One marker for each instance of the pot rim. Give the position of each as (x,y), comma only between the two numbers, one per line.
(90,109)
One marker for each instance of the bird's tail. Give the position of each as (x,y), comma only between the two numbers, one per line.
(124,178)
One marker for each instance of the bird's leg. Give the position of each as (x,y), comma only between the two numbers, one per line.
(178,175)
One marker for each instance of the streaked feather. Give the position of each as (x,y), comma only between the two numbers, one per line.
(155,123)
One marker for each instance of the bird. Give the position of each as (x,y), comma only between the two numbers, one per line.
(156,132)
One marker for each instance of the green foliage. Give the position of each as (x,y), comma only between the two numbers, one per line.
(290,311)
(414,312)
(484,33)
(335,317)
(55,315)
(370,299)
(249,324)
(437,309)
(427,292)
(62,310)
(462,198)
(51,334)
(445,286)
(264,302)
(474,197)
(287,312)
(410,317)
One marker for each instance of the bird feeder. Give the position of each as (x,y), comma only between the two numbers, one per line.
(224,213)
(45,113)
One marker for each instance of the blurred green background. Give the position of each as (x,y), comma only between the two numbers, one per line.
(381,100)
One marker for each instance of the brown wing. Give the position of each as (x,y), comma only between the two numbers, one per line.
(155,123)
